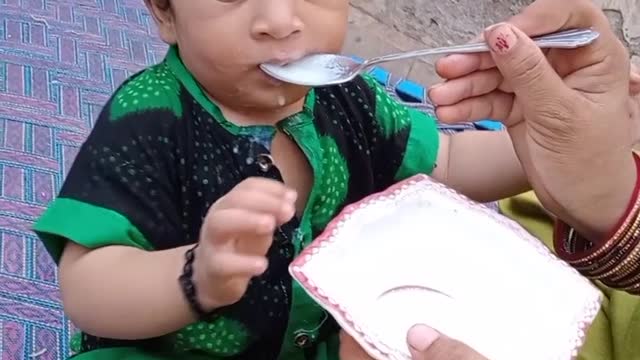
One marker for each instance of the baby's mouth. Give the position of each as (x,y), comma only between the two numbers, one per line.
(286,58)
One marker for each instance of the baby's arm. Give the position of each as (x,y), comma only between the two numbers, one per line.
(480,164)
(118,209)
(122,292)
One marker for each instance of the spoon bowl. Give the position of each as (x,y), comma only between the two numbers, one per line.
(315,70)
(332,69)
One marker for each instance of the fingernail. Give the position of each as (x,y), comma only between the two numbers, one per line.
(421,337)
(501,37)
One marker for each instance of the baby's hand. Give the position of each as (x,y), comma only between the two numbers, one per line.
(235,237)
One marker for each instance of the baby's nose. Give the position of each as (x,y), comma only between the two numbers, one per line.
(276,19)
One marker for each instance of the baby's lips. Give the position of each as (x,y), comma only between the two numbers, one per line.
(285,58)
(279,62)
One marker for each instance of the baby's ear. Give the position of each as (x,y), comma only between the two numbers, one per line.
(163,17)
(634,81)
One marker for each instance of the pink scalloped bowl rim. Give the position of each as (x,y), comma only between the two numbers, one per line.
(344,319)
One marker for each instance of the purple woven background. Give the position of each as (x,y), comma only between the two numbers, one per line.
(59,62)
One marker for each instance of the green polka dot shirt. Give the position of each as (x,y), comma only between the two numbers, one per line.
(161,153)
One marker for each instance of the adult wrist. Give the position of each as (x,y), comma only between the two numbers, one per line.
(613,259)
(604,203)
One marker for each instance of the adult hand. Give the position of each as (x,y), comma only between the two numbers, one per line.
(424,343)
(566,111)
(634,102)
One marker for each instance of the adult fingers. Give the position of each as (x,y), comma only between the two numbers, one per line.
(634,114)
(634,81)
(458,65)
(546,16)
(426,343)
(527,70)
(456,90)
(496,105)
(541,17)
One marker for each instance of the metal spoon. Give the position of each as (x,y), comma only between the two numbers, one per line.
(332,69)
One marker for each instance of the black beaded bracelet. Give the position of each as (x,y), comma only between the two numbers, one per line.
(189,288)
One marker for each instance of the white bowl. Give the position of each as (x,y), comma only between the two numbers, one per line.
(421,253)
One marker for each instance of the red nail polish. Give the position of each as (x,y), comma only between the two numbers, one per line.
(501,38)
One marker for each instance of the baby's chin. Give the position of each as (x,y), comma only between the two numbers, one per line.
(264,107)
(280,98)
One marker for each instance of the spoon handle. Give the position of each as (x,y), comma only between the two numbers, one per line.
(568,39)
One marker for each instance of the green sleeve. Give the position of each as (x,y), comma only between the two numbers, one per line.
(86,224)
(119,190)
(408,133)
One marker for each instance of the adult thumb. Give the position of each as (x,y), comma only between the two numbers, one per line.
(426,343)
(524,66)
(420,338)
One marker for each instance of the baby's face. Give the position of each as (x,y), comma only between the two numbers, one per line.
(222,42)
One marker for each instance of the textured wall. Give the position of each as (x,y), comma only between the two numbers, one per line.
(382,26)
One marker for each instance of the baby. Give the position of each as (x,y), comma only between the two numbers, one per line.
(204,177)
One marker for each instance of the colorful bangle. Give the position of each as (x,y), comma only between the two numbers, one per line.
(615,262)
(620,267)
(629,281)
(625,245)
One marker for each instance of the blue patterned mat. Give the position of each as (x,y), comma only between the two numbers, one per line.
(59,62)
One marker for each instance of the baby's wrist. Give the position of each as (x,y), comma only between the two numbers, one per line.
(200,303)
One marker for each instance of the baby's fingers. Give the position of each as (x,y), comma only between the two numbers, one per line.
(230,265)
(255,200)
(263,196)
(228,224)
